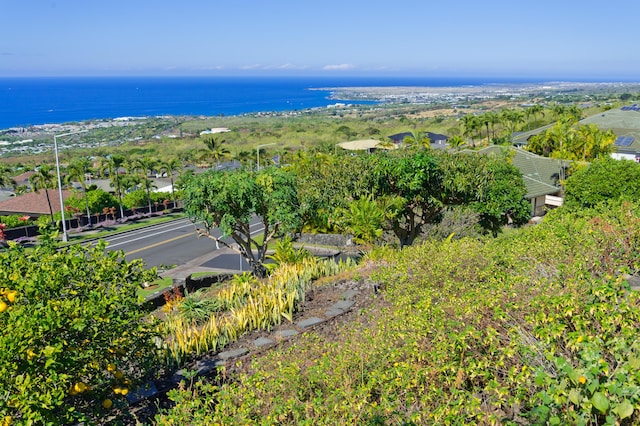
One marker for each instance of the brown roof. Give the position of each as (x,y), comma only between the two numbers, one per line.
(23,178)
(33,203)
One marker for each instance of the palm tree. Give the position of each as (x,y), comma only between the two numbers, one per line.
(145,165)
(216,148)
(455,142)
(5,177)
(534,110)
(171,167)
(44,179)
(489,119)
(574,113)
(471,125)
(558,110)
(77,171)
(512,118)
(418,140)
(245,157)
(112,165)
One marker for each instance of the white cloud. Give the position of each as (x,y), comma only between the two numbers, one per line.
(338,67)
(251,67)
(287,67)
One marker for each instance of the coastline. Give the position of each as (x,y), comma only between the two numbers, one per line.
(419,94)
(27,102)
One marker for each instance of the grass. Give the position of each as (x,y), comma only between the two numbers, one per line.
(78,238)
(156,286)
(203,274)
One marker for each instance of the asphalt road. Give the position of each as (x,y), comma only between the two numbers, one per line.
(170,244)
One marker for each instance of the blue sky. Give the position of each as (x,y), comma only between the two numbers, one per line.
(555,39)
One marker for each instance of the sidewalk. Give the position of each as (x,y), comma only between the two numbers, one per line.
(181,272)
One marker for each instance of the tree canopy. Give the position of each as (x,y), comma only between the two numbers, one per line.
(231,200)
(71,320)
(602,180)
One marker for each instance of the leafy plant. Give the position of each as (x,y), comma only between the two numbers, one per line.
(74,334)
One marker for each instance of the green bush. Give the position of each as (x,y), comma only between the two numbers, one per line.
(73,335)
(537,326)
(16,221)
(98,200)
(603,180)
(138,198)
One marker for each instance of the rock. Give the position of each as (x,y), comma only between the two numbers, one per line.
(236,353)
(280,334)
(262,341)
(309,322)
(343,304)
(145,391)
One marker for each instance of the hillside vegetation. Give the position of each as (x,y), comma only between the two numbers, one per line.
(538,326)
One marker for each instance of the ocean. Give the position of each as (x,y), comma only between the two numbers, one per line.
(31,101)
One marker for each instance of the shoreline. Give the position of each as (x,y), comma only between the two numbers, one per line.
(418,94)
(379,94)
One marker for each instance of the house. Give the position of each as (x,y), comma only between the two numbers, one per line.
(365,145)
(33,204)
(437,141)
(625,123)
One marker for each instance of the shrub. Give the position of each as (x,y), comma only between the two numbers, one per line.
(603,180)
(73,332)
(537,326)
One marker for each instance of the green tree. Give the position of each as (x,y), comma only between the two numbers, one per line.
(231,200)
(604,179)
(74,320)
(471,125)
(44,179)
(455,142)
(6,180)
(327,183)
(502,200)
(411,183)
(145,166)
(77,171)
(490,119)
(490,185)
(112,165)
(172,167)
(512,118)
(417,140)
(364,219)
(533,111)
(216,149)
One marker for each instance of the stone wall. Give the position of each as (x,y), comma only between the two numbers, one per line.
(333,240)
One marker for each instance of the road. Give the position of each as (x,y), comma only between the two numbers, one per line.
(169,244)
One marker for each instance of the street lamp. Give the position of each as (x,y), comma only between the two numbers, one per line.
(55,149)
(258,153)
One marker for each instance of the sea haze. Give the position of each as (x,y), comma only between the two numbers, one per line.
(29,101)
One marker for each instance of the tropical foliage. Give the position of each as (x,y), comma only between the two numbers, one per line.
(73,335)
(517,330)
(231,200)
(604,179)
(568,141)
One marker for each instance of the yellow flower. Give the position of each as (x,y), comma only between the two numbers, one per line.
(580,339)
(582,380)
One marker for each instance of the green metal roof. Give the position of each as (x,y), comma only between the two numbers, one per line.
(542,175)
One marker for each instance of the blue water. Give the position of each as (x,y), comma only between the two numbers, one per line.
(29,101)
